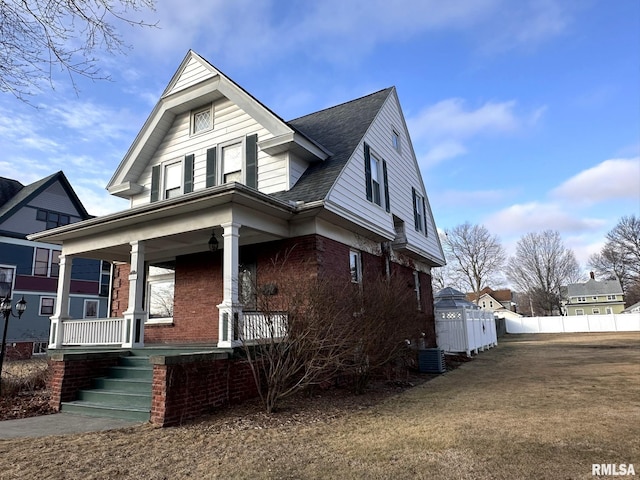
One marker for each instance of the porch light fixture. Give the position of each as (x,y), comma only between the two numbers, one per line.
(213,242)
(7,311)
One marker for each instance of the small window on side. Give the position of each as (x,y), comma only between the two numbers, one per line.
(47,305)
(395,140)
(355,266)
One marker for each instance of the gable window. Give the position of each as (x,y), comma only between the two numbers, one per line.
(395,140)
(419,212)
(7,278)
(52,219)
(47,305)
(160,289)
(202,120)
(355,266)
(611,297)
(582,299)
(376,179)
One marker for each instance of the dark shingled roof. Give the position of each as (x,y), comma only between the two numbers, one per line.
(339,129)
(8,189)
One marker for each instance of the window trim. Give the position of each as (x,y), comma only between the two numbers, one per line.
(38,263)
(608,310)
(595,311)
(582,299)
(242,141)
(579,311)
(611,297)
(163,176)
(53,306)
(192,121)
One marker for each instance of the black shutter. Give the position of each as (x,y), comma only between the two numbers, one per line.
(188,173)
(211,167)
(155,183)
(416,225)
(367,172)
(387,205)
(252,161)
(424,213)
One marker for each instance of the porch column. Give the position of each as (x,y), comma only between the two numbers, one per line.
(230,310)
(134,316)
(56,330)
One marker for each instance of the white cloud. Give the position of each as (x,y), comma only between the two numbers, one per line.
(534,217)
(612,179)
(443,128)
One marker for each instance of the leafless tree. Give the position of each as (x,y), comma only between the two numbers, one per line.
(540,267)
(620,257)
(476,256)
(309,331)
(38,37)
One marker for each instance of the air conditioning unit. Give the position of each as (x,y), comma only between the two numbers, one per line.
(431,360)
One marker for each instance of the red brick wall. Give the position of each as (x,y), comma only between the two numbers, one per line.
(198,287)
(198,291)
(69,373)
(120,290)
(198,386)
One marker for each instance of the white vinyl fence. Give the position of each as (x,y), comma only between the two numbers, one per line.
(624,322)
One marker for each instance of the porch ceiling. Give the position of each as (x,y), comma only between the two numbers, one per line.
(175,227)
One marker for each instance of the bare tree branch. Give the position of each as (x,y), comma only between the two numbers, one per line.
(40,37)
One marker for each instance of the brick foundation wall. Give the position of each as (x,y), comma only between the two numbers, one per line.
(190,386)
(18,351)
(70,372)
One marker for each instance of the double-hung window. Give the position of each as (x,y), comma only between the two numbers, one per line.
(46,262)
(47,305)
(172,180)
(419,212)
(231,163)
(376,179)
(7,279)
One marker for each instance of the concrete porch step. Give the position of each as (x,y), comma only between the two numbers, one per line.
(125,392)
(99,410)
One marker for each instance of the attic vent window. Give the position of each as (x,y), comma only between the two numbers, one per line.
(202,120)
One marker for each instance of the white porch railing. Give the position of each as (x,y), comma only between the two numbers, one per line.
(257,326)
(93,332)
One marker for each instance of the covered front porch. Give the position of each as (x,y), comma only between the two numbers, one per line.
(195,241)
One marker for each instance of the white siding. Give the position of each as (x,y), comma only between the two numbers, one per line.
(193,73)
(403,173)
(229,123)
(297,167)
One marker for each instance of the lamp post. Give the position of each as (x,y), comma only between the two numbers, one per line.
(6,310)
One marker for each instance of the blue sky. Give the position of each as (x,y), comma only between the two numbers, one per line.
(524,114)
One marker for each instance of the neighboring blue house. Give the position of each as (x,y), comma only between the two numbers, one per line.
(31,269)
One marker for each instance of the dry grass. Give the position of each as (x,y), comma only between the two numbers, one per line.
(24,376)
(543,406)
